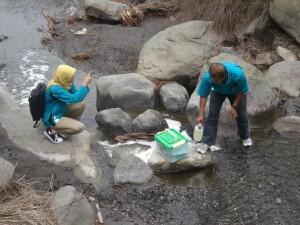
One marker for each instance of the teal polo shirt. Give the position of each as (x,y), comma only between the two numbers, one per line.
(236,82)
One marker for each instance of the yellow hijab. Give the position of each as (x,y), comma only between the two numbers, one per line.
(63,76)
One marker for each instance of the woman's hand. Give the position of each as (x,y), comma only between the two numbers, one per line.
(87,79)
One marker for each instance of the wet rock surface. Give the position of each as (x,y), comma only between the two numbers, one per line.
(193,161)
(114,122)
(71,207)
(174,97)
(132,170)
(151,121)
(288,126)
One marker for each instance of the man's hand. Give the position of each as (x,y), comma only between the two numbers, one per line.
(200,119)
(233,113)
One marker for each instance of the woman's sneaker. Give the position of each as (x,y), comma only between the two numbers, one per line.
(247,142)
(52,135)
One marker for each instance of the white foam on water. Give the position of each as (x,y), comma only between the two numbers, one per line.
(143,155)
(173,124)
(33,73)
(60,158)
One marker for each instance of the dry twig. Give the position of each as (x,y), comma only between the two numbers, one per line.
(51,21)
(133,15)
(141,136)
(82,56)
(46,40)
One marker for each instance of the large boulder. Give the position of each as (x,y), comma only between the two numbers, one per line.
(174,97)
(113,122)
(72,208)
(193,161)
(261,99)
(178,52)
(127,91)
(151,121)
(106,10)
(286,15)
(288,126)
(133,170)
(6,172)
(285,77)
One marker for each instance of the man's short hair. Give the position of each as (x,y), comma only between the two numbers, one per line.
(217,70)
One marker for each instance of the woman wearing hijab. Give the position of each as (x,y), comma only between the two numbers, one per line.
(63,104)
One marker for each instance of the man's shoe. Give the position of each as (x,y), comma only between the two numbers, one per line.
(247,142)
(202,148)
(52,136)
(215,148)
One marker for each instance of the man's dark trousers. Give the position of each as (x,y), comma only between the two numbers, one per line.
(211,123)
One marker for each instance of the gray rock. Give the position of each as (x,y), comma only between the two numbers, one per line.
(72,208)
(293,107)
(285,77)
(132,170)
(104,9)
(6,172)
(174,97)
(113,154)
(113,122)
(286,14)
(263,59)
(288,126)
(192,162)
(151,121)
(260,100)
(178,52)
(257,25)
(72,153)
(127,91)
(7,102)
(286,54)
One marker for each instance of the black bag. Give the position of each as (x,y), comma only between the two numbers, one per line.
(36,103)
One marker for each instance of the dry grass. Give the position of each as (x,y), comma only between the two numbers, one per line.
(20,205)
(133,15)
(229,15)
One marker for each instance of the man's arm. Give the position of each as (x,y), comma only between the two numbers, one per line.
(237,100)
(202,104)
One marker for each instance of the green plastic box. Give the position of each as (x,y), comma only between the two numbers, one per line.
(172,144)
